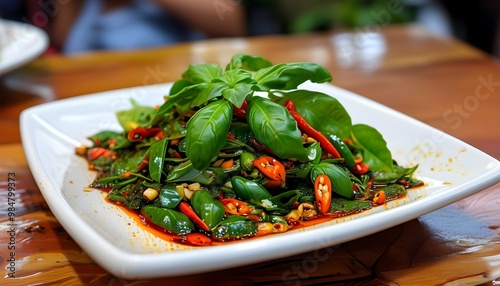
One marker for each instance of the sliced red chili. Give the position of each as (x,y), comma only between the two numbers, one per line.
(241,112)
(310,131)
(144,163)
(198,239)
(360,168)
(271,168)
(141,133)
(323,193)
(236,207)
(186,209)
(96,152)
(379,198)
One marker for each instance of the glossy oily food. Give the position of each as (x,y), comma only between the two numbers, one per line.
(241,152)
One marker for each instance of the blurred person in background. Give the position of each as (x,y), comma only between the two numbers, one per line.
(132,24)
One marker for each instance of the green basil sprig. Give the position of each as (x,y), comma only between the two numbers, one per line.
(208,83)
(275,128)
(207,133)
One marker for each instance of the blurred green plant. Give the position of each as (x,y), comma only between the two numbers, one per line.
(299,16)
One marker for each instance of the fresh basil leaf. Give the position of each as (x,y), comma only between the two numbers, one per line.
(314,152)
(285,199)
(178,86)
(138,115)
(248,189)
(373,148)
(185,172)
(290,75)
(157,153)
(172,221)
(341,183)
(275,128)
(207,132)
(182,100)
(232,77)
(128,161)
(247,62)
(201,73)
(210,210)
(210,92)
(322,111)
(237,94)
(391,176)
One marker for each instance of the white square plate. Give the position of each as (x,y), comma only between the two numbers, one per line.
(20,43)
(50,132)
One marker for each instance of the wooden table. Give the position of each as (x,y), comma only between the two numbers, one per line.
(440,81)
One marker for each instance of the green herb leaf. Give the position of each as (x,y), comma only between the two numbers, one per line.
(373,148)
(202,73)
(248,189)
(323,112)
(290,75)
(391,176)
(210,210)
(172,221)
(341,183)
(157,153)
(247,62)
(275,128)
(138,115)
(207,133)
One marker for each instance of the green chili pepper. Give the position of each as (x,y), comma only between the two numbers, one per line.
(172,221)
(246,161)
(249,190)
(344,151)
(210,210)
(168,197)
(235,227)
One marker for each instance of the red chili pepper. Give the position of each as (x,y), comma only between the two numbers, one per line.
(310,131)
(323,193)
(198,239)
(273,184)
(141,133)
(360,168)
(379,198)
(236,207)
(289,105)
(144,163)
(96,152)
(271,167)
(186,209)
(242,111)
